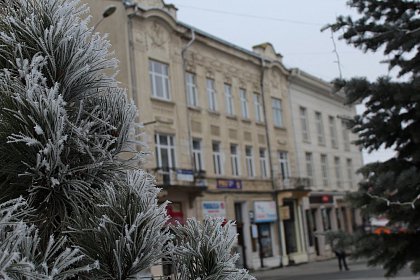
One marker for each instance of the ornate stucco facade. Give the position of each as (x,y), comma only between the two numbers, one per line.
(218,124)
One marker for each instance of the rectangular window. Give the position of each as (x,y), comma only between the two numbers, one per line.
(346,135)
(309,168)
(244,103)
(333,132)
(197,155)
(258,108)
(165,151)
(230,109)
(277,112)
(337,167)
(249,161)
(234,159)
(217,158)
(324,170)
(350,172)
(192,93)
(284,165)
(320,128)
(159,79)
(304,124)
(263,163)
(211,94)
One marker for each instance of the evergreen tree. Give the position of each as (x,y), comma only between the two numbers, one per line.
(70,206)
(391,120)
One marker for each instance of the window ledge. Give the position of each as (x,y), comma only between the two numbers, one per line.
(260,123)
(166,101)
(215,113)
(193,108)
(246,120)
(280,128)
(232,117)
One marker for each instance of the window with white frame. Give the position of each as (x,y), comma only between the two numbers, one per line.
(324,170)
(284,165)
(165,151)
(217,158)
(337,167)
(159,79)
(320,128)
(258,108)
(309,168)
(350,172)
(346,135)
(303,114)
(249,158)
(244,103)
(333,132)
(230,109)
(277,112)
(263,163)
(192,92)
(211,94)
(234,159)
(197,154)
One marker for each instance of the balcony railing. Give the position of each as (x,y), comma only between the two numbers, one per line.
(298,183)
(174,177)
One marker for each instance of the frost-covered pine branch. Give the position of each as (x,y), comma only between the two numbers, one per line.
(21,256)
(63,120)
(203,251)
(126,232)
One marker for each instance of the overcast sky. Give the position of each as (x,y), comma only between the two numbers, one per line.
(293,28)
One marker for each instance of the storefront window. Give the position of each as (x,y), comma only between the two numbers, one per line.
(264,235)
(326,218)
(309,227)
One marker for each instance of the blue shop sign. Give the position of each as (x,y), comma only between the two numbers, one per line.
(229,184)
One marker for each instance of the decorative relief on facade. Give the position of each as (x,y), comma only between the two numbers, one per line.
(209,73)
(233,134)
(228,80)
(275,79)
(214,130)
(161,108)
(157,36)
(196,126)
(261,138)
(247,136)
(255,87)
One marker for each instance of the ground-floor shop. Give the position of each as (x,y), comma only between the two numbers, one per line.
(327,211)
(256,224)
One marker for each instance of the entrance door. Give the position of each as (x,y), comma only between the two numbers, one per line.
(241,263)
(290,228)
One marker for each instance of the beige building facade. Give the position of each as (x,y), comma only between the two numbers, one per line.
(325,156)
(220,129)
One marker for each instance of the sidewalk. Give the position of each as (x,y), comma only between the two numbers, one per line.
(328,270)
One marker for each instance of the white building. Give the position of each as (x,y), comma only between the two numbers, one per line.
(325,155)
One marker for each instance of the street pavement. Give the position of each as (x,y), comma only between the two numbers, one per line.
(328,270)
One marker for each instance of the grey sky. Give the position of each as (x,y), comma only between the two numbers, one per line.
(293,28)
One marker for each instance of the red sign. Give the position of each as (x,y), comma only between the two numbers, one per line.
(175,212)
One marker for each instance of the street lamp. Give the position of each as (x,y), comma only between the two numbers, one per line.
(107,12)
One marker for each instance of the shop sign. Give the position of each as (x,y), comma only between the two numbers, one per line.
(186,175)
(321,199)
(229,184)
(214,209)
(284,213)
(265,211)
